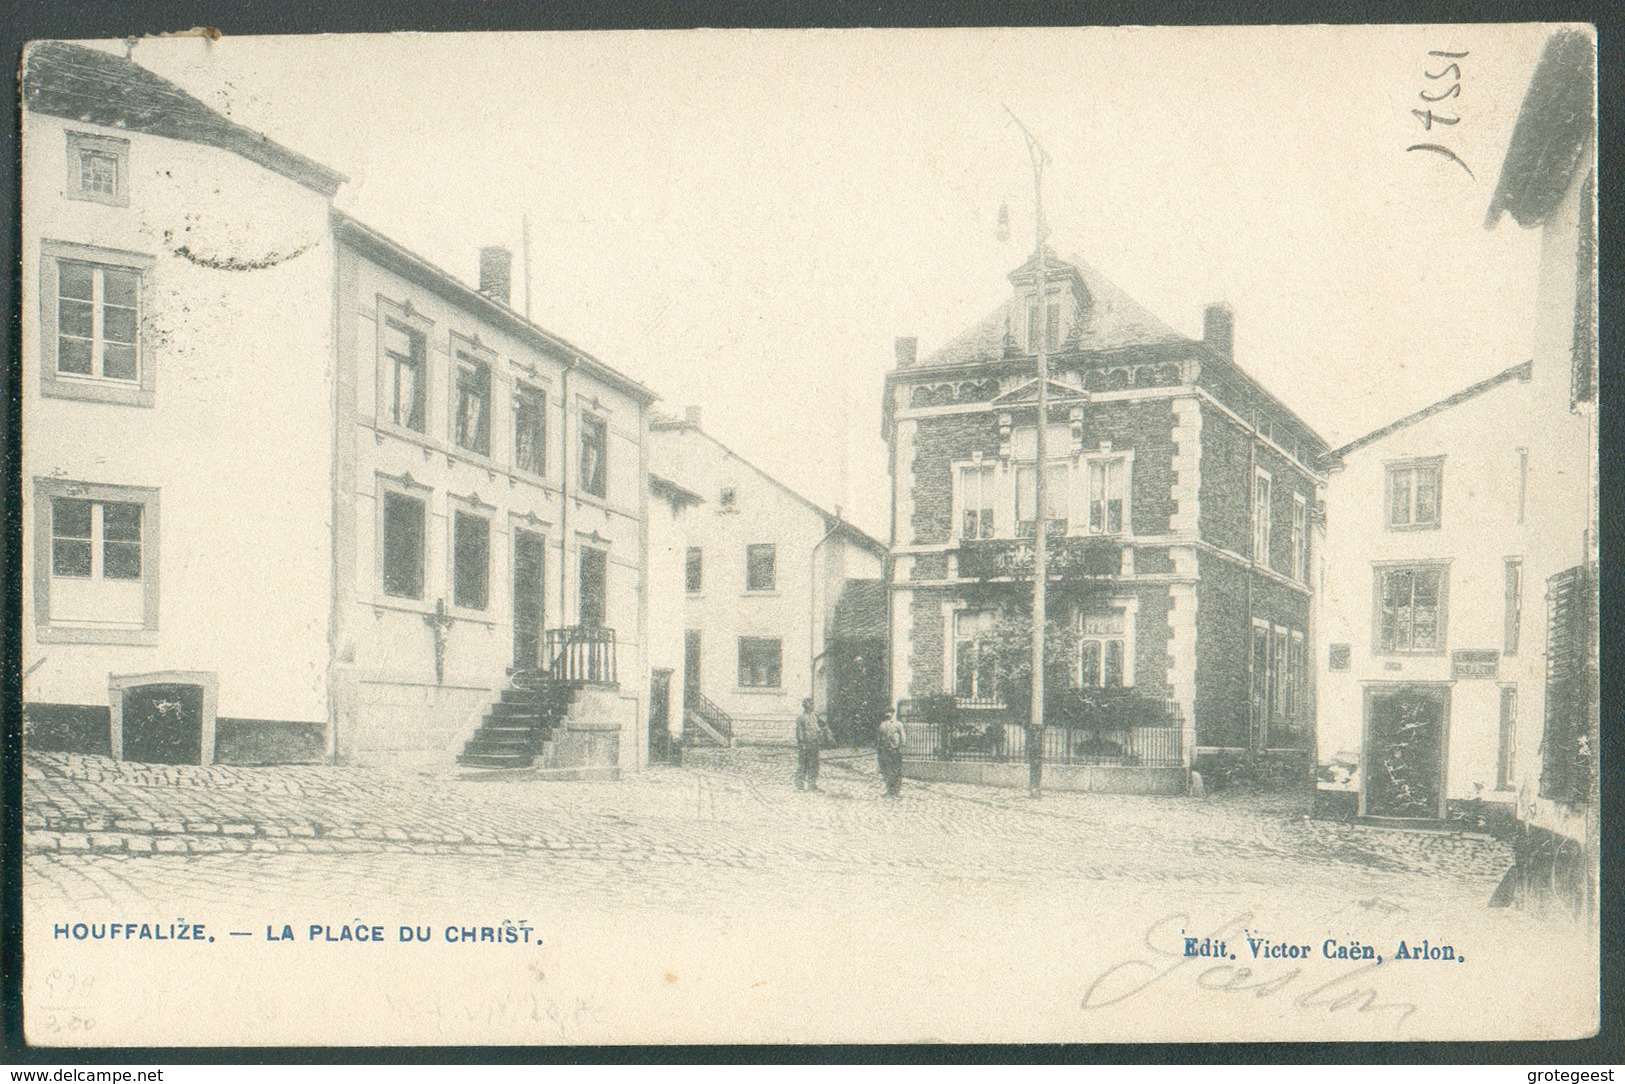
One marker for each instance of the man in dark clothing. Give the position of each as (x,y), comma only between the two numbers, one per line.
(811,733)
(889,752)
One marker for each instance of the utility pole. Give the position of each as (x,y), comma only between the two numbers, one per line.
(1035,724)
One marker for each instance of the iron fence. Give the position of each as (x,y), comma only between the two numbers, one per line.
(941,729)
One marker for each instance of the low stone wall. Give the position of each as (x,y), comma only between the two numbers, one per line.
(1100,778)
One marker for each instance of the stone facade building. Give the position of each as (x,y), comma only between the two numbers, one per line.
(1181,500)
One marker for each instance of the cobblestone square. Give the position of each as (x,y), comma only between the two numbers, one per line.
(706,902)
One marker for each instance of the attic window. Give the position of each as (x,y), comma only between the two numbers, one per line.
(98,169)
(1049,322)
(728,497)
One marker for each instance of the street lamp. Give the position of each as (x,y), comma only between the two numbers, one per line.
(1035,724)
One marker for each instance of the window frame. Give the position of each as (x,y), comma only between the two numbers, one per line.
(582,558)
(81,143)
(483,360)
(422,329)
(1124,611)
(1123,460)
(986,485)
(1263,516)
(1512,619)
(592,421)
(528,394)
(388,488)
(1506,747)
(461,510)
(1413,467)
(1380,571)
(980,640)
(1300,537)
(753,550)
(1056,494)
(94,388)
(776,671)
(46,492)
(694,570)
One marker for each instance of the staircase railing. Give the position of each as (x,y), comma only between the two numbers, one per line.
(717,721)
(581,655)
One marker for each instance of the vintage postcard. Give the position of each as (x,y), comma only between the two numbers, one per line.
(1070,535)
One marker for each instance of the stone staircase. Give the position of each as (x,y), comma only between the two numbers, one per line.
(519,727)
(706,723)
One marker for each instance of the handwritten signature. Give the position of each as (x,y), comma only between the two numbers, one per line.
(1164,941)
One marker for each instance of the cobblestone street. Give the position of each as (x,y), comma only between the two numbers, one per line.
(687,881)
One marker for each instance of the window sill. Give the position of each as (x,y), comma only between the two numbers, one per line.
(772,593)
(96,391)
(760,690)
(82,634)
(1412,526)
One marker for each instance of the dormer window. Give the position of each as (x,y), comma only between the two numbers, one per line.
(1046,322)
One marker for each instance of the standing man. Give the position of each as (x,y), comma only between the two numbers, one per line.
(889,752)
(811,733)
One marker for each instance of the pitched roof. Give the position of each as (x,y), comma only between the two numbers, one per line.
(65,80)
(1552,132)
(409,265)
(1115,320)
(1521,371)
(660,422)
(672,492)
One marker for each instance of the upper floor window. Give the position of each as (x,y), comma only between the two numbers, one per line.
(91,304)
(405,359)
(1413,494)
(694,569)
(96,575)
(1300,538)
(1056,485)
(1410,609)
(1261,517)
(761,571)
(530,429)
(1513,620)
(98,169)
(1108,488)
(977,497)
(594,451)
(728,499)
(471,421)
(1043,325)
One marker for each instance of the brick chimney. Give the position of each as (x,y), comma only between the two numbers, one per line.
(907,348)
(1219,328)
(496,273)
(691,417)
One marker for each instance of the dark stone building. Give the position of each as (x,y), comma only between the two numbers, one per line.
(1181,501)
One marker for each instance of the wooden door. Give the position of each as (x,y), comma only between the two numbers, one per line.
(528,612)
(1405,751)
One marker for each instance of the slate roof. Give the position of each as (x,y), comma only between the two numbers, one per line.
(61,79)
(1552,132)
(1116,320)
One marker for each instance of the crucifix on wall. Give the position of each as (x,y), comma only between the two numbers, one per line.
(439,623)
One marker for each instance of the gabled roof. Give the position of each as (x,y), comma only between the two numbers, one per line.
(414,268)
(61,79)
(1114,320)
(1552,132)
(834,522)
(1517,372)
(1028,393)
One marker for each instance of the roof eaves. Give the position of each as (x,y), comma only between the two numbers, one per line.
(403,260)
(1521,371)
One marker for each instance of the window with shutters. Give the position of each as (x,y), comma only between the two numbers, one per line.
(1571,681)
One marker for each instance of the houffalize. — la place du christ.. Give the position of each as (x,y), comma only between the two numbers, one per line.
(1074,535)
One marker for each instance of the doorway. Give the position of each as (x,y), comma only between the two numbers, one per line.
(529,617)
(1404,774)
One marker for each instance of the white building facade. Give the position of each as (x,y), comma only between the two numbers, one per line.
(764,574)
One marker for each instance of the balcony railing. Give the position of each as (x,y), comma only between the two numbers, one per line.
(939,728)
(582,655)
(1068,557)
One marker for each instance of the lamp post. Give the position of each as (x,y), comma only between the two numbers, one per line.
(1035,724)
